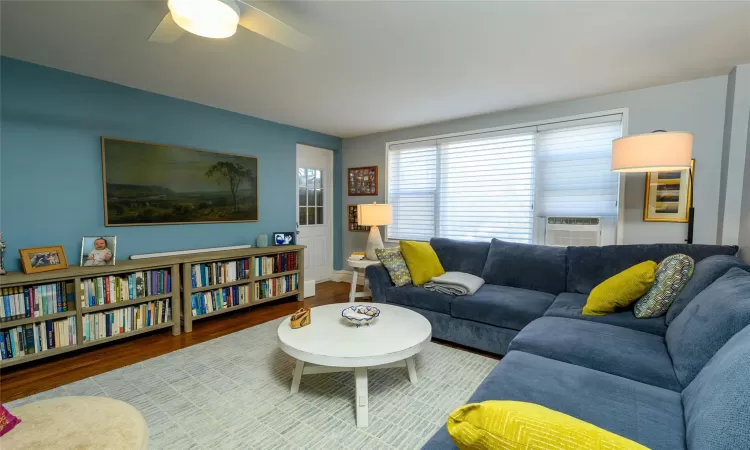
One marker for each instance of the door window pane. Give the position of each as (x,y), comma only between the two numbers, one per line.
(311,216)
(303,216)
(320,216)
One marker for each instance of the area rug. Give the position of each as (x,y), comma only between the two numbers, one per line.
(233,393)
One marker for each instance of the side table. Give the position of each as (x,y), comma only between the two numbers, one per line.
(357,265)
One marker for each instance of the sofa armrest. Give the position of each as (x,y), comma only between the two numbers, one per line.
(379,280)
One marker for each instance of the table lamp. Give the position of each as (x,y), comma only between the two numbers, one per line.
(656,151)
(374,215)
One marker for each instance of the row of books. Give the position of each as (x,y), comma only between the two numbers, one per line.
(219,272)
(36,301)
(283,262)
(37,337)
(276,286)
(209,301)
(123,320)
(120,288)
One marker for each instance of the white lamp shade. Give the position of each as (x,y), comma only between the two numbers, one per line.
(652,152)
(207,18)
(375,214)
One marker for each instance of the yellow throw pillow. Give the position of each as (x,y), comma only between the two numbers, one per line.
(507,425)
(621,290)
(422,261)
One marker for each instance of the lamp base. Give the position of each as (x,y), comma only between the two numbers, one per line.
(374,241)
(691,225)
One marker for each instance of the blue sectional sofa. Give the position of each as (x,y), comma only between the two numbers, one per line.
(678,381)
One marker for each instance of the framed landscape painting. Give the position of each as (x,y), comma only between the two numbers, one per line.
(668,195)
(155,184)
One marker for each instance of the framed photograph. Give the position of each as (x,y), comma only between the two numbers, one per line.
(43,259)
(354,220)
(155,184)
(363,180)
(668,195)
(284,238)
(98,250)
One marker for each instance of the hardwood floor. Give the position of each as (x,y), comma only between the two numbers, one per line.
(21,381)
(24,380)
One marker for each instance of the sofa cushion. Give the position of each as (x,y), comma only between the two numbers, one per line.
(507,424)
(646,414)
(502,306)
(419,297)
(671,276)
(461,256)
(621,290)
(708,322)
(619,351)
(421,260)
(536,267)
(571,305)
(589,266)
(392,260)
(717,401)
(706,272)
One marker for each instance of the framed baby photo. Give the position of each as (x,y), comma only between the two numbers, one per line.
(42,259)
(98,250)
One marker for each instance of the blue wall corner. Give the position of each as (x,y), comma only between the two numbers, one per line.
(50,162)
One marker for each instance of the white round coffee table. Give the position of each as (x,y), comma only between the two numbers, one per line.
(331,344)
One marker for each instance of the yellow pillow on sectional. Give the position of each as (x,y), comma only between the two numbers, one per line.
(506,425)
(422,261)
(621,290)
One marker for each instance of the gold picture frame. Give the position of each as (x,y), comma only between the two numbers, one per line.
(43,259)
(668,195)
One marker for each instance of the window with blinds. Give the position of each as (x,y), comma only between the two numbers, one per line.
(493,185)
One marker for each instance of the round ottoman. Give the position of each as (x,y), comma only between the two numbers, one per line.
(77,423)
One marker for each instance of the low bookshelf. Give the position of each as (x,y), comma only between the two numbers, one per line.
(218,282)
(55,312)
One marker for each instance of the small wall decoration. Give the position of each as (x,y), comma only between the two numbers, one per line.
(2,252)
(363,180)
(284,238)
(98,250)
(43,259)
(354,220)
(155,184)
(668,195)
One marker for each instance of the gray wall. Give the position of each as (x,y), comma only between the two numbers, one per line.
(744,238)
(734,154)
(696,106)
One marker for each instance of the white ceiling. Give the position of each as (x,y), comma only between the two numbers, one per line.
(377,66)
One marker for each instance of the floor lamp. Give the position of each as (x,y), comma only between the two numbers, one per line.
(658,151)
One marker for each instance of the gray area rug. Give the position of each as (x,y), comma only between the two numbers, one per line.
(233,393)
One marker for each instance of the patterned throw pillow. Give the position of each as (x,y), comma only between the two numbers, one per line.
(394,262)
(672,274)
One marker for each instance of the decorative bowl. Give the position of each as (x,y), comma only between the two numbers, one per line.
(360,315)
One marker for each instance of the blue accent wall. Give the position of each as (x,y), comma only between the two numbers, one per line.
(50,162)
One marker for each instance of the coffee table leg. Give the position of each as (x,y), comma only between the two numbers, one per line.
(297,376)
(412,370)
(360,380)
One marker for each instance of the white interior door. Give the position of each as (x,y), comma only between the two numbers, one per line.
(315,213)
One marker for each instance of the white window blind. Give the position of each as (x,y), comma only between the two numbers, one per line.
(492,185)
(412,180)
(574,169)
(486,187)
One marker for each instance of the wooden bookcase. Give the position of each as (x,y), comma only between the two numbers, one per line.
(233,255)
(76,275)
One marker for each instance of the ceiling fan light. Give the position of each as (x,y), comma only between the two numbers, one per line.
(207,18)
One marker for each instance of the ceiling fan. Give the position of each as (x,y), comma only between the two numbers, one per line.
(219,19)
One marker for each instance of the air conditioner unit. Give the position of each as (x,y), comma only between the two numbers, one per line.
(565,231)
